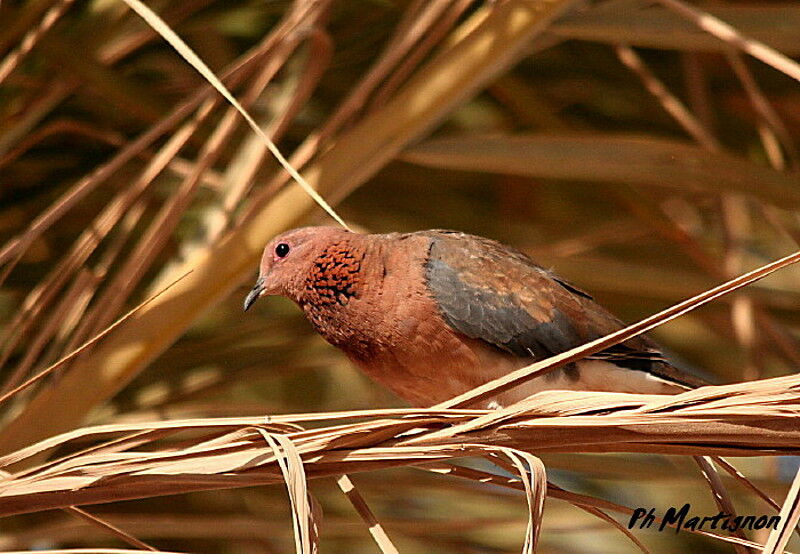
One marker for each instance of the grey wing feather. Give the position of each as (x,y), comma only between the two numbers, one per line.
(488,291)
(477,285)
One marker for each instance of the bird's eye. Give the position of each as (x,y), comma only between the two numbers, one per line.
(282,250)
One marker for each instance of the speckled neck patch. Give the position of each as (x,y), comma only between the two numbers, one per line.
(335,276)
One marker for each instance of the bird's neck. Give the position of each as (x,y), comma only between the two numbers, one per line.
(336,288)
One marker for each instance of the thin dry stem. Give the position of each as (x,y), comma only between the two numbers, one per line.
(715,26)
(114,530)
(375,528)
(13,59)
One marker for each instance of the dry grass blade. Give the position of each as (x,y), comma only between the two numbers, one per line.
(375,528)
(14,248)
(774,129)
(47,371)
(404,39)
(287,422)
(734,211)
(739,476)
(157,234)
(651,26)
(534,480)
(291,466)
(430,39)
(587,503)
(13,59)
(117,292)
(121,207)
(607,518)
(75,296)
(116,531)
(790,515)
(194,60)
(669,101)
(553,491)
(239,178)
(721,496)
(609,158)
(725,32)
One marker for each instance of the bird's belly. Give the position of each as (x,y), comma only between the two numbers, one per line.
(441,370)
(598,375)
(584,375)
(428,370)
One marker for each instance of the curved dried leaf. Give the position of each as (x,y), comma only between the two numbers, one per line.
(658,27)
(612,159)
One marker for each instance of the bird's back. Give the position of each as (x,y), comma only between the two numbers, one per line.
(497,294)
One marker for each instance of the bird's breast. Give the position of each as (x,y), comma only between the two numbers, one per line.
(395,332)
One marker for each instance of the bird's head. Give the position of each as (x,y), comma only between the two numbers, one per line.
(288,260)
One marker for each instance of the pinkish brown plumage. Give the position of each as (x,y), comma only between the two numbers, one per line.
(433,314)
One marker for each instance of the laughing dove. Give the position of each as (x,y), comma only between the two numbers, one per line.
(433,314)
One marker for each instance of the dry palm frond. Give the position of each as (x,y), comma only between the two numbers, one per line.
(747,419)
(569,146)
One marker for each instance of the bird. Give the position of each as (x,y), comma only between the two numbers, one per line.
(432,314)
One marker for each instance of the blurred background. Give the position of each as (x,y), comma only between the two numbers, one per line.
(617,142)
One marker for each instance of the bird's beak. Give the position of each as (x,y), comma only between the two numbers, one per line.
(254,294)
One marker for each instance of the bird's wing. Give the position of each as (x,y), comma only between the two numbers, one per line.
(488,291)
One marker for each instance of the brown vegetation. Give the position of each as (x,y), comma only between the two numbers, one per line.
(638,148)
